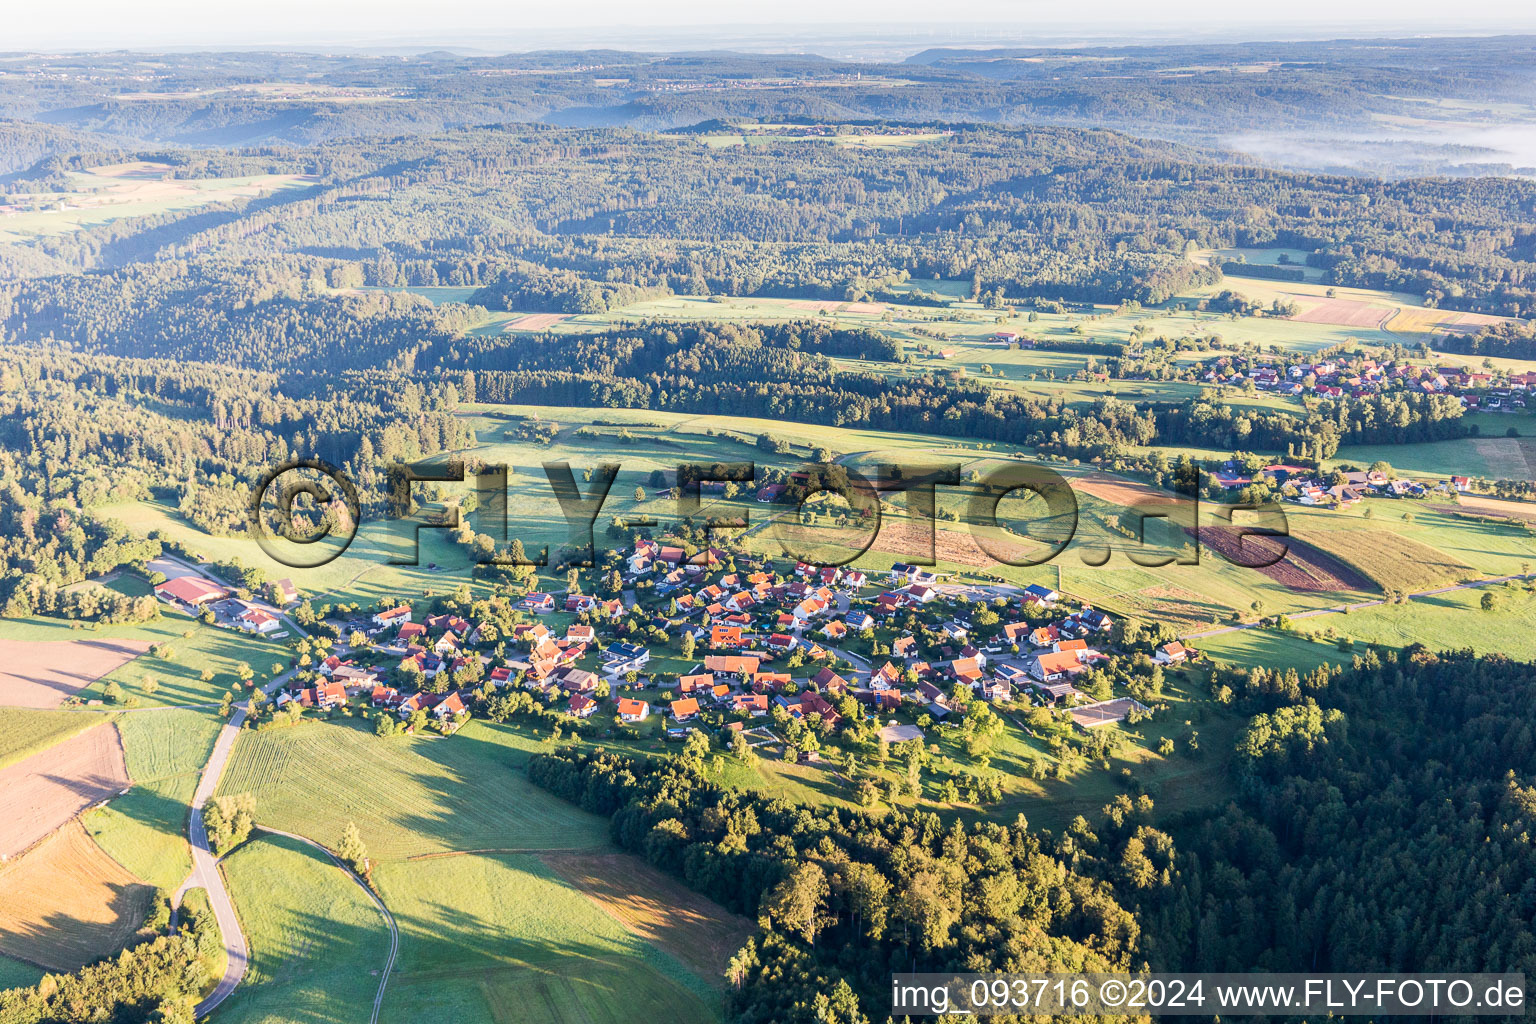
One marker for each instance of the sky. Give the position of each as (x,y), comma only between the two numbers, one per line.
(515,25)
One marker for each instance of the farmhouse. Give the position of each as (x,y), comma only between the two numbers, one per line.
(393,616)
(190,591)
(255,620)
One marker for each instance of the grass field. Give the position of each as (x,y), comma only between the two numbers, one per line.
(1388,558)
(67,903)
(408,795)
(1272,648)
(18,973)
(317,943)
(145,830)
(1451,621)
(503,940)
(26,732)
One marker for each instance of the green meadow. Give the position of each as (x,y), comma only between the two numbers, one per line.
(500,939)
(318,944)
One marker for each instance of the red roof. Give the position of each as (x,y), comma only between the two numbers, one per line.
(191,590)
(685,708)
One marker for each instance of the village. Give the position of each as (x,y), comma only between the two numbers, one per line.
(719,643)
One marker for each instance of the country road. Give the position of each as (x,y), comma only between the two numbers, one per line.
(205,866)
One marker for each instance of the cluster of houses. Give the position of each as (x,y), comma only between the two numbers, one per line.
(1359,377)
(1306,486)
(765,642)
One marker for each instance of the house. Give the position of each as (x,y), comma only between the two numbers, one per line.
(1461,483)
(755,704)
(763,682)
(684,709)
(740,666)
(579,602)
(284,592)
(1040,595)
(620,658)
(1053,666)
(576,680)
(920,593)
(904,647)
(330,695)
(450,707)
(781,643)
(580,706)
(255,620)
(858,621)
(191,591)
(408,630)
(695,681)
(384,697)
(997,690)
(725,636)
(833,630)
(770,493)
(1171,654)
(539,603)
(393,616)
(631,710)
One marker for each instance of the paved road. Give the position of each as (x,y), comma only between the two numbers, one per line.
(205,866)
(205,870)
(1469,585)
(389,919)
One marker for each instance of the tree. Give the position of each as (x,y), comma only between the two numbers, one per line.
(1489,602)
(228,820)
(796,904)
(687,645)
(352,849)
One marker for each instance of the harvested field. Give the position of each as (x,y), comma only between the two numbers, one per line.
(907,538)
(1304,567)
(1182,607)
(864,307)
(536,321)
(68,904)
(1389,560)
(809,305)
(42,673)
(51,787)
(697,931)
(1344,313)
(1122,492)
(1524,511)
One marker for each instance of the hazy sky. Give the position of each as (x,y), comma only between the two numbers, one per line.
(521,25)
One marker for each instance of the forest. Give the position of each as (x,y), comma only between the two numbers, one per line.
(1382,825)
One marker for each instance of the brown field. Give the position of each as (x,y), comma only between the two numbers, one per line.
(1304,567)
(909,539)
(697,931)
(810,305)
(536,322)
(68,904)
(1119,491)
(1344,313)
(41,673)
(48,789)
(1437,321)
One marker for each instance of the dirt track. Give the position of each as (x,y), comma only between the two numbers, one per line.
(49,788)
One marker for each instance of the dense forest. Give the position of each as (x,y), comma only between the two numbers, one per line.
(1383,824)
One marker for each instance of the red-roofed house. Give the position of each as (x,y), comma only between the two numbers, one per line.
(192,591)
